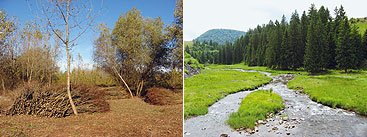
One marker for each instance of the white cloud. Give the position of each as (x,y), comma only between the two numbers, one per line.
(202,15)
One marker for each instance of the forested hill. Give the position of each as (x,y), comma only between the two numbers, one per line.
(220,35)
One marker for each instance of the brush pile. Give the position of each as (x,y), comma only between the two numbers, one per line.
(163,96)
(54,102)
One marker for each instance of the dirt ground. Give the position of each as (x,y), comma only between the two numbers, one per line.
(127,117)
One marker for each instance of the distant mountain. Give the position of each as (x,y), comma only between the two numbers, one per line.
(220,35)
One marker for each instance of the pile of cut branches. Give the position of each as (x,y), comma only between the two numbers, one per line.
(54,102)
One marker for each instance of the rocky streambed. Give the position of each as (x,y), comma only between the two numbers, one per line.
(301,116)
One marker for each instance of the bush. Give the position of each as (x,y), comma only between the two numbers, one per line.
(163,96)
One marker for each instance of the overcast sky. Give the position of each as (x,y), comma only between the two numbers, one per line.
(203,15)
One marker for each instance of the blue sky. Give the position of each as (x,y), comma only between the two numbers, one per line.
(109,15)
(203,15)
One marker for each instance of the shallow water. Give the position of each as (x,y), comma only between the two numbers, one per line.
(306,118)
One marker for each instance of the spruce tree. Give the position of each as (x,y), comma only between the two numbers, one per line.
(284,57)
(296,46)
(364,46)
(357,48)
(316,40)
(344,52)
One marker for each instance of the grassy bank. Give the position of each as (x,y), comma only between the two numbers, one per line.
(342,90)
(254,107)
(258,68)
(211,85)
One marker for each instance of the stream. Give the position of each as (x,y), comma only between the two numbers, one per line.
(304,116)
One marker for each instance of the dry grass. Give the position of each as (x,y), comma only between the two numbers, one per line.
(127,117)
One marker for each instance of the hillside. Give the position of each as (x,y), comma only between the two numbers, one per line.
(361,24)
(220,35)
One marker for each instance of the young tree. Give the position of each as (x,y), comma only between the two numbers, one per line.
(8,51)
(68,20)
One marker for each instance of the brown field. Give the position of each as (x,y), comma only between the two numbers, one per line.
(127,117)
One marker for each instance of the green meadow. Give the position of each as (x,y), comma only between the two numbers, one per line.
(210,85)
(258,68)
(341,90)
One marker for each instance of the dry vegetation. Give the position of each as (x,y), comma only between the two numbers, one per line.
(127,117)
(162,96)
(53,102)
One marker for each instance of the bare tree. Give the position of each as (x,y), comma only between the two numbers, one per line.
(68,20)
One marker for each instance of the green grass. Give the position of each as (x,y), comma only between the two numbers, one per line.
(254,107)
(188,43)
(246,67)
(211,85)
(362,26)
(342,90)
(192,62)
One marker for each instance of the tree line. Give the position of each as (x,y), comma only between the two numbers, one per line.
(315,41)
(139,52)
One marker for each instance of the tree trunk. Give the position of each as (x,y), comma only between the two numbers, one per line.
(68,82)
(345,70)
(68,55)
(3,84)
(141,87)
(131,94)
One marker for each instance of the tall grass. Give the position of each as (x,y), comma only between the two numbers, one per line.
(341,90)
(211,85)
(254,107)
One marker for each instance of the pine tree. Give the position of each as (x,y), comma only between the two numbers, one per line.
(364,46)
(274,46)
(357,48)
(344,52)
(316,41)
(284,57)
(296,46)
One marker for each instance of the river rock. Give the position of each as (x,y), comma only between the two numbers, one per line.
(224,135)
(294,118)
(256,129)
(275,128)
(248,130)
(261,122)
(288,133)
